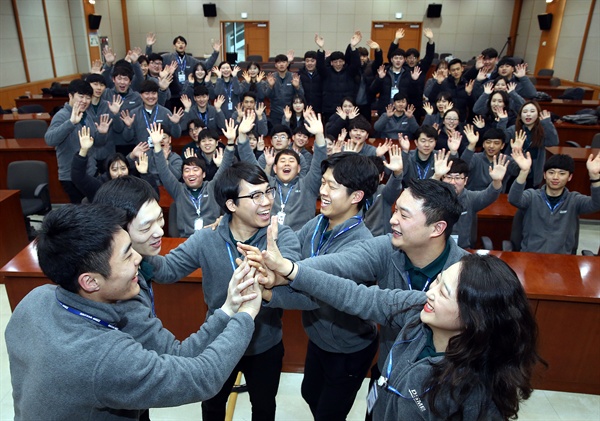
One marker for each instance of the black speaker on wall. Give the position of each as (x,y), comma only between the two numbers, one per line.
(94,22)
(545,21)
(434,10)
(210,10)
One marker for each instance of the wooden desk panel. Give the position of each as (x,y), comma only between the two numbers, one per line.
(34,149)
(12,225)
(495,221)
(566,106)
(579,133)
(48,102)
(7,122)
(556,91)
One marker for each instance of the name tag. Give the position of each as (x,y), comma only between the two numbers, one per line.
(159,121)
(562,211)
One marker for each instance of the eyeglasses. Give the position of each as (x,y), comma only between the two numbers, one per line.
(280,137)
(259,196)
(450,119)
(453,177)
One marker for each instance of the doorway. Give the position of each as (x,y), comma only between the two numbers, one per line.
(384,33)
(245,38)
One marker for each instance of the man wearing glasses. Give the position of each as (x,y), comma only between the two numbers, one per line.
(243,193)
(280,140)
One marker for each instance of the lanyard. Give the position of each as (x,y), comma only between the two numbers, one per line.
(146,118)
(231,259)
(228,88)
(385,382)
(550,206)
(85,315)
(287,196)
(423,174)
(410,283)
(181,61)
(327,243)
(203,116)
(196,202)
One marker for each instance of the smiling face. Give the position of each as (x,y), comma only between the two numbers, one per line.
(281,66)
(300,140)
(144,66)
(500,85)
(451,120)
(149,98)
(201,101)
(409,224)
(310,64)
(441,311)
(118,169)
(208,145)
(298,106)
(247,213)
(83,101)
(225,70)
(248,103)
(529,115)
(122,83)
(200,73)
(506,70)
(155,67)
(359,136)
(338,64)
(98,89)
(412,60)
(457,180)
(400,105)
(425,146)
(280,141)
(556,180)
(497,102)
(347,107)
(397,62)
(441,104)
(337,203)
(492,147)
(287,168)
(122,284)
(193,176)
(253,70)
(146,229)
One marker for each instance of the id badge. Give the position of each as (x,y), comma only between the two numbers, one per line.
(198,224)
(281,217)
(394,92)
(150,142)
(372,398)
(230,105)
(181,77)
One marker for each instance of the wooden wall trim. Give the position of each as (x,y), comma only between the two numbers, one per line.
(584,41)
(21,42)
(9,93)
(514,27)
(94,51)
(49,37)
(549,39)
(126,26)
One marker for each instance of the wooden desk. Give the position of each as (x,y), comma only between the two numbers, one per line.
(32,149)
(563,290)
(579,133)
(48,102)
(495,221)
(556,91)
(567,106)
(12,225)
(7,122)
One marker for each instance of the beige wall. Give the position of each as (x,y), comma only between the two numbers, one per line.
(466,26)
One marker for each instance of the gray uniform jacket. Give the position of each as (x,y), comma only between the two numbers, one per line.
(389,127)
(281,95)
(215,253)
(188,63)
(479,170)
(301,202)
(209,209)
(481,105)
(409,375)
(262,162)
(378,214)
(231,91)
(412,170)
(551,231)
(261,126)
(62,134)
(330,329)
(375,260)
(53,352)
(116,127)
(550,139)
(471,203)
(212,118)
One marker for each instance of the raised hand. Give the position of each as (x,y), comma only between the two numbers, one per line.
(239,109)
(164,82)
(260,110)
(482,74)
(237,291)
(399,34)
(521,70)
(186,102)
(389,110)
(522,160)
(269,156)
(545,114)
(373,45)
(260,144)
(216,44)
(76,114)
(472,136)
(290,56)
(116,104)
(354,112)
(260,76)
(454,141)
(469,86)
(135,54)
(139,150)
(218,156)
(355,39)
(85,141)
(105,122)
(142,163)
(176,116)
(230,130)
(271,79)
(247,122)
(296,80)
(415,73)
(109,55)
(96,67)
(593,166)
(498,168)
(449,106)
(410,110)
(343,134)
(381,72)
(383,148)
(150,38)
(246,76)
(312,122)
(189,152)
(216,71)
(156,135)
(428,108)
(236,69)
(517,143)
(341,113)
(511,87)
(488,88)
(500,113)
(320,41)
(127,119)
(395,163)
(428,34)
(404,142)
(352,146)
(219,101)
(287,112)
(441,164)
(479,122)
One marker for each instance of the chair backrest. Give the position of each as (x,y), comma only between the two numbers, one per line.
(30,129)
(31,108)
(596,141)
(26,176)
(572,144)
(573,93)
(257,58)
(546,72)
(554,81)
(173,231)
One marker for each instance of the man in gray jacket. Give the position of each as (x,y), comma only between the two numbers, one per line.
(69,355)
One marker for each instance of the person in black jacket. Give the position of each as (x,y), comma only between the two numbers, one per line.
(460,88)
(341,76)
(311,81)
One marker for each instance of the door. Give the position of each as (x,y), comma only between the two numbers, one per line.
(384,33)
(245,38)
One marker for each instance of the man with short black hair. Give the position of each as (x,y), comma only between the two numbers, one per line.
(247,104)
(281,87)
(458,85)
(211,116)
(398,119)
(280,140)
(62,134)
(551,218)
(311,80)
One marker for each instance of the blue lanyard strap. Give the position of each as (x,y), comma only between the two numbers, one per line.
(196,202)
(410,283)
(85,315)
(146,118)
(231,259)
(287,196)
(423,174)
(326,244)
(181,61)
(203,116)
(389,371)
